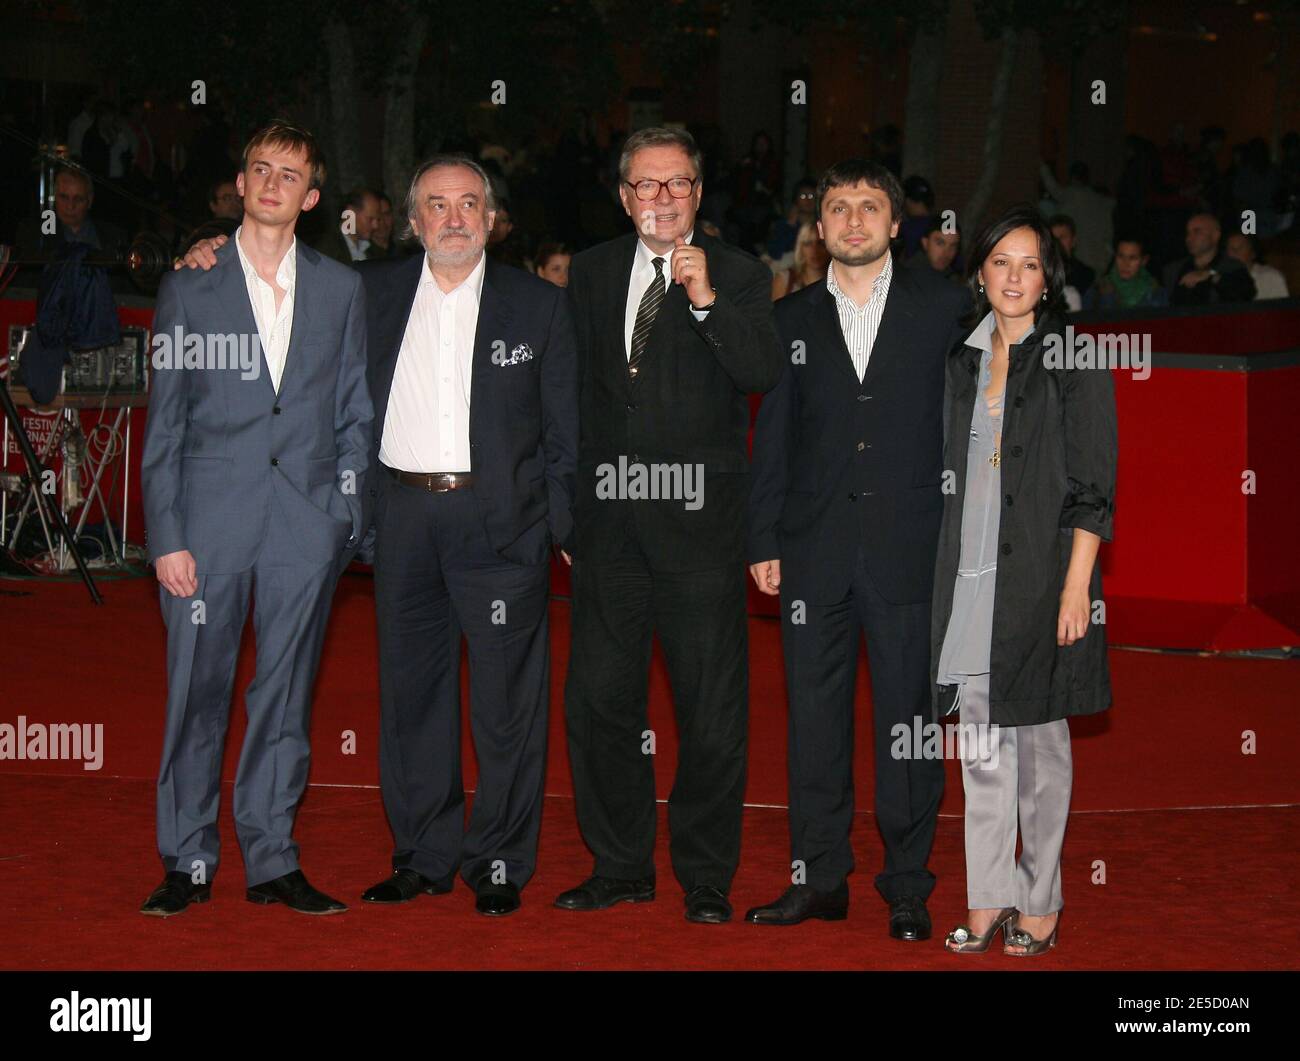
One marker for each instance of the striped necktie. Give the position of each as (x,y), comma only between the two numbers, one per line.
(645,317)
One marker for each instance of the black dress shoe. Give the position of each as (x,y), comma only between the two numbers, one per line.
(405,884)
(496,900)
(296,893)
(597,893)
(802,901)
(707,905)
(908,918)
(174,894)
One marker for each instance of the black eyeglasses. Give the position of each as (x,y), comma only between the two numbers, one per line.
(678,187)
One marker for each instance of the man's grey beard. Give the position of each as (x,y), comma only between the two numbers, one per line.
(457,257)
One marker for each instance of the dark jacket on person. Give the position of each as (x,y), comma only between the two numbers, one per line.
(1111,291)
(74,310)
(689,404)
(1058,449)
(31,245)
(523,432)
(1231,282)
(843,465)
(1078,275)
(333,245)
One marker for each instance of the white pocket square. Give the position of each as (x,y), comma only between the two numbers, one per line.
(522,352)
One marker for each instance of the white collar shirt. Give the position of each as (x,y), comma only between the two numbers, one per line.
(426,427)
(861,324)
(274,326)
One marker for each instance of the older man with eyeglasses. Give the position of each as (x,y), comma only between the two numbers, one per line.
(674,333)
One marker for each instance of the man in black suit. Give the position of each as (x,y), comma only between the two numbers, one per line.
(348,239)
(473,376)
(674,331)
(844,523)
(1207,275)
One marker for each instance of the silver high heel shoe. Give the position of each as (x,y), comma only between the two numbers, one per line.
(1018,937)
(962,941)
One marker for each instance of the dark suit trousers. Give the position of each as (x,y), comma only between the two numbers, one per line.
(821,662)
(291,607)
(436,576)
(618,603)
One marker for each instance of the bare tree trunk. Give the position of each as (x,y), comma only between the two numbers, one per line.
(399,116)
(921,108)
(979,198)
(343,96)
(321,123)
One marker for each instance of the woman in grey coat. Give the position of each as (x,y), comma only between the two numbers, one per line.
(1017,640)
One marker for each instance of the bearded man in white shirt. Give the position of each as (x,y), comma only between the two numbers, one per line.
(473,368)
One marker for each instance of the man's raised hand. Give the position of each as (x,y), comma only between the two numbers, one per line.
(691,269)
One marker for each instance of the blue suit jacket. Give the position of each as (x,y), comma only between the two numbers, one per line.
(225,454)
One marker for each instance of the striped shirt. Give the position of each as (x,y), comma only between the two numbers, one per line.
(860,325)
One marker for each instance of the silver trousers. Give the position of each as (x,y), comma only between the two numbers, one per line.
(1009,771)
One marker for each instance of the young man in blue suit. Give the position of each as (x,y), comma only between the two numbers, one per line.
(256,450)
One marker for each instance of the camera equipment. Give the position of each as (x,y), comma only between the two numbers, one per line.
(122,368)
(36,476)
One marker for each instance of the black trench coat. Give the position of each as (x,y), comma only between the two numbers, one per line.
(1059,448)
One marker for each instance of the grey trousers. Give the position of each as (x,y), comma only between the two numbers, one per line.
(1004,770)
(291,607)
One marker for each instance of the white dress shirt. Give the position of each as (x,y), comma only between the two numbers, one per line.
(274,326)
(1269,282)
(643,271)
(357,246)
(861,323)
(426,428)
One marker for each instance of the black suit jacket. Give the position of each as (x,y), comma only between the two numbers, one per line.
(1233,283)
(523,417)
(839,463)
(688,405)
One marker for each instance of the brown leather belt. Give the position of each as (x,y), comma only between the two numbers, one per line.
(434,482)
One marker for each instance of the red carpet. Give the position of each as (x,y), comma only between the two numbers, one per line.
(1186,826)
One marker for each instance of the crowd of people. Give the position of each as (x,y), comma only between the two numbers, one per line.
(1179,229)
(1116,253)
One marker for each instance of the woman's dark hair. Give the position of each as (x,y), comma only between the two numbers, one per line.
(1023,215)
